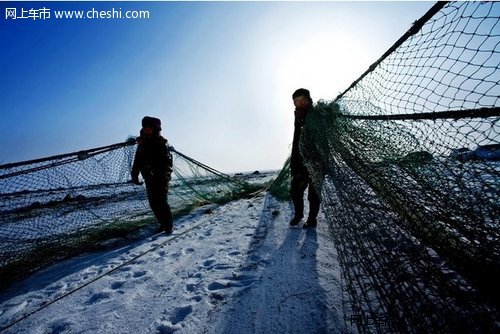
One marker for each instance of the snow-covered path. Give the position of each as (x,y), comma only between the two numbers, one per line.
(234,268)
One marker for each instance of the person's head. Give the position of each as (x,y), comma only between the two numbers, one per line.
(151,125)
(302,99)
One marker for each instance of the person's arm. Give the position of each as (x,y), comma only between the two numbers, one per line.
(314,142)
(136,166)
(170,160)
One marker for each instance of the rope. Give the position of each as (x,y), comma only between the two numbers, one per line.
(80,155)
(452,114)
(208,168)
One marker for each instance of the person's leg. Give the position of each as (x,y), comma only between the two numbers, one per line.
(297,188)
(164,211)
(314,203)
(157,196)
(166,216)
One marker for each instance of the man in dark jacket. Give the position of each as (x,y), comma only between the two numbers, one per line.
(154,161)
(300,175)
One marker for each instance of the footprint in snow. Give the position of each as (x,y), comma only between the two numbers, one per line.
(15,308)
(138,274)
(216,298)
(60,326)
(180,314)
(189,250)
(176,255)
(208,263)
(191,287)
(198,275)
(43,297)
(55,287)
(216,286)
(222,266)
(117,285)
(98,297)
(166,329)
(197,298)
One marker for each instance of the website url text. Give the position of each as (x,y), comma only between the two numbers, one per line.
(93,14)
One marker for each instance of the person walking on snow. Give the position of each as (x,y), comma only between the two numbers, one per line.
(301,179)
(154,161)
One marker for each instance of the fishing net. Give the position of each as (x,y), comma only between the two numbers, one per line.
(61,206)
(408,160)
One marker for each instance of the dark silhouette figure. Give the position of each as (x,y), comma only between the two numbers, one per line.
(301,179)
(154,161)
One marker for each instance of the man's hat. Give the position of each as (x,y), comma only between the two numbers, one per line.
(302,92)
(151,122)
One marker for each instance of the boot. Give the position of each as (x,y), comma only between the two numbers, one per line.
(310,223)
(295,221)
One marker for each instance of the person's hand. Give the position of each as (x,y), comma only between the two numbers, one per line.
(135,180)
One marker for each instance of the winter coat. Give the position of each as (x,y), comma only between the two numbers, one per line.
(297,165)
(152,158)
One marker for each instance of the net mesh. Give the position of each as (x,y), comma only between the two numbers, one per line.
(408,160)
(61,206)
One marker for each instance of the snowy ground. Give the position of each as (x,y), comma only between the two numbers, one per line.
(234,268)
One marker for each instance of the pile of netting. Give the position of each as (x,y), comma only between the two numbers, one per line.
(408,160)
(61,206)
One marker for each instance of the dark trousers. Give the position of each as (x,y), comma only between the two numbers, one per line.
(300,182)
(157,189)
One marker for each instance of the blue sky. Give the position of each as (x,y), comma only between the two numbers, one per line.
(219,74)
